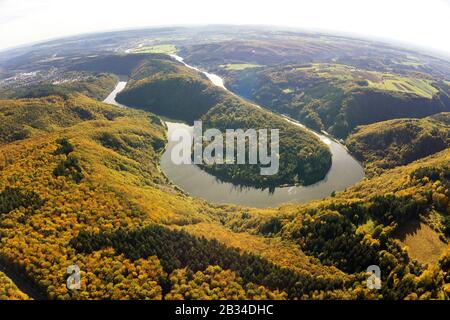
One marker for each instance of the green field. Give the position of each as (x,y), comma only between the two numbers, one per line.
(389,82)
(161,48)
(288,90)
(378,80)
(423,242)
(411,63)
(239,66)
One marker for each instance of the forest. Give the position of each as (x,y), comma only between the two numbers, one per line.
(388,144)
(167,88)
(178,250)
(80,184)
(96,86)
(303,159)
(9,291)
(337,98)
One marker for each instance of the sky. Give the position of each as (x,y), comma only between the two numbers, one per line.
(422,23)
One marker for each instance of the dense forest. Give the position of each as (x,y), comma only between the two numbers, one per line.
(97,174)
(80,184)
(303,159)
(25,118)
(112,63)
(178,250)
(337,98)
(388,144)
(9,291)
(121,214)
(168,88)
(96,86)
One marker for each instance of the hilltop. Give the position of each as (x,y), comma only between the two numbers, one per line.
(81,184)
(101,175)
(337,98)
(392,143)
(9,291)
(72,190)
(168,88)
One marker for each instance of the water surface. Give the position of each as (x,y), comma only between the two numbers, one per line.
(344,172)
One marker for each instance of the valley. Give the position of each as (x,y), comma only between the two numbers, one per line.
(344,171)
(90,183)
(153,90)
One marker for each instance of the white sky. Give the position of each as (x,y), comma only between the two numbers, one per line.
(424,23)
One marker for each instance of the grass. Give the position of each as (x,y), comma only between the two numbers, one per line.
(411,63)
(239,66)
(378,80)
(390,82)
(9,291)
(423,242)
(161,48)
(396,142)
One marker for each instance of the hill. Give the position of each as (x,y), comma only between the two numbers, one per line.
(361,225)
(80,182)
(165,87)
(170,89)
(398,142)
(90,193)
(101,176)
(112,63)
(303,159)
(8,290)
(24,118)
(96,86)
(337,98)
(271,48)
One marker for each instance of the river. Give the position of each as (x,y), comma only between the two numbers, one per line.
(344,172)
(111,98)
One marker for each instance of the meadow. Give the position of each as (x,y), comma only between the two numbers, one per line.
(160,48)
(239,66)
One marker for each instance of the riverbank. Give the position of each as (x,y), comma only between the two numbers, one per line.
(344,172)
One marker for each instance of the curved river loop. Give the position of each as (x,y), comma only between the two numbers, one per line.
(344,172)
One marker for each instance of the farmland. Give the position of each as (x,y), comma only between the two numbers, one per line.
(161,48)
(349,75)
(239,66)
